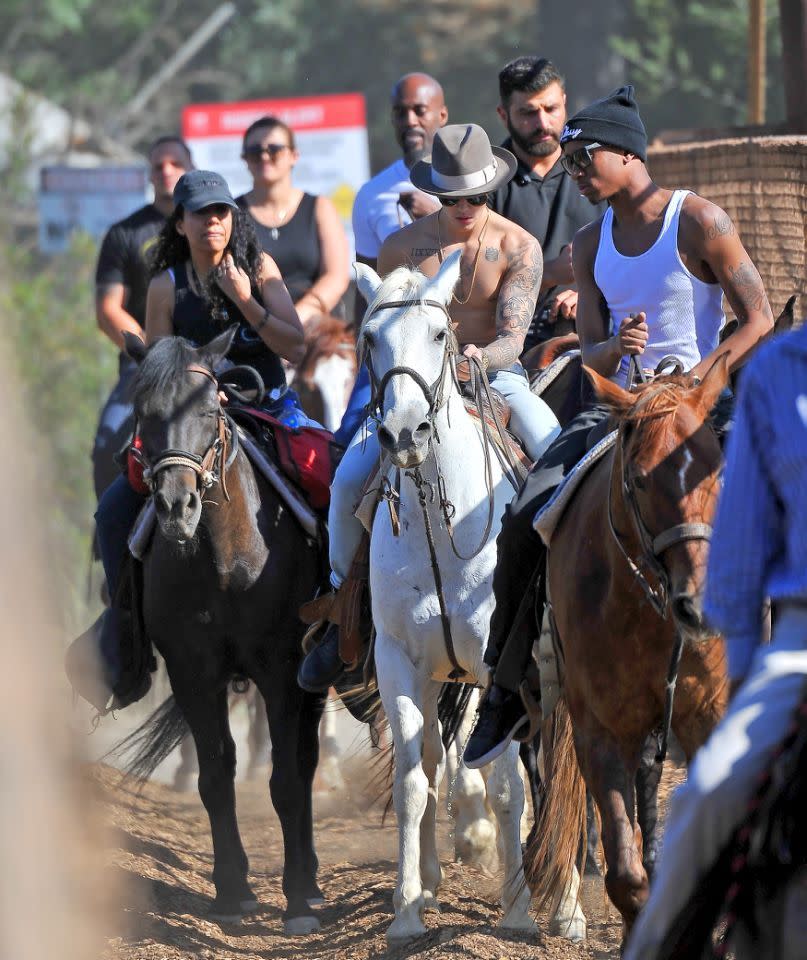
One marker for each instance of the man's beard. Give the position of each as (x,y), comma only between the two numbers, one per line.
(535,148)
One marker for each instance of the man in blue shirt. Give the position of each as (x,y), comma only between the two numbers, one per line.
(759,550)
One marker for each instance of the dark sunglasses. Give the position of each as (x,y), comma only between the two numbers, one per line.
(479,201)
(580,159)
(271,150)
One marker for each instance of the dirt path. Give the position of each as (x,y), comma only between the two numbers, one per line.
(161,853)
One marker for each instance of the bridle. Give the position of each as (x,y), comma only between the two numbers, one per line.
(652,547)
(211,467)
(436,398)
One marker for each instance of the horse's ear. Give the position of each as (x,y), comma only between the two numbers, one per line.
(713,383)
(219,346)
(786,318)
(609,393)
(134,347)
(367,280)
(441,286)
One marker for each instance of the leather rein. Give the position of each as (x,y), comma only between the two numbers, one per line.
(211,467)
(436,400)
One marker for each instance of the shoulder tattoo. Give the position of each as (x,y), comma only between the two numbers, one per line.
(721,227)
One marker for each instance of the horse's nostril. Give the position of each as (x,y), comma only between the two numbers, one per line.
(191,501)
(385,437)
(424,428)
(161,504)
(687,611)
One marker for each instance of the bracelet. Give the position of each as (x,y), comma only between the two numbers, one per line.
(263,321)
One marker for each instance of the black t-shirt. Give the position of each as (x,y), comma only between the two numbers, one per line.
(124,257)
(193,320)
(552,209)
(294,246)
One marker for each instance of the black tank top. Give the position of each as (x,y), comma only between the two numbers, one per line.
(193,321)
(294,246)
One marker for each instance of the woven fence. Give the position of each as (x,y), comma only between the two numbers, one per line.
(761,182)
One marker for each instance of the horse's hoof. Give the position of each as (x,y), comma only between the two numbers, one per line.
(592,867)
(401,930)
(223,915)
(249,905)
(300,926)
(316,901)
(518,920)
(574,930)
(430,903)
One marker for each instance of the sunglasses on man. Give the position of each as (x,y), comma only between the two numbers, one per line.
(580,159)
(479,201)
(271,150)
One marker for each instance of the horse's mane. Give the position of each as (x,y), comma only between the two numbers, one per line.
(164,364)
(658,400)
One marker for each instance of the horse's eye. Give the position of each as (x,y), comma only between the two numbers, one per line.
(441,336)
(639,482)
(369,341)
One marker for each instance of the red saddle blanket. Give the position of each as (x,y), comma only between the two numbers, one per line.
(302,453)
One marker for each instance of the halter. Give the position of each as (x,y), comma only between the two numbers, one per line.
(211,467)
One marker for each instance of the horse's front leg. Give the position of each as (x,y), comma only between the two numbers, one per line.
(506,797)
(399,685)
(207,714)
(293,728)
(434,768)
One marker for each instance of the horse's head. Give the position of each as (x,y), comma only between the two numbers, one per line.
(180,423)
(407,342)
(668,470)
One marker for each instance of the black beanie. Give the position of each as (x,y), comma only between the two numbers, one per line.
(614,121)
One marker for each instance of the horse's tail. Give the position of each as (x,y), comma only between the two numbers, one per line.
(146,748)
(451,707)
(560,826)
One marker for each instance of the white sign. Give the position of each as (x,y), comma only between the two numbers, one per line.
(330,131)
(86,198)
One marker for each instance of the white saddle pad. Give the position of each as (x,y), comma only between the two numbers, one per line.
(548,517)
(551,373)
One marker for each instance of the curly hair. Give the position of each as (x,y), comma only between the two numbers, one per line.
(173,249)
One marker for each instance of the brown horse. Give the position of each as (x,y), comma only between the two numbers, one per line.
(325,376)
(625,572)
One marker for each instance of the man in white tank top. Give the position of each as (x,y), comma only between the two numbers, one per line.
(651,274)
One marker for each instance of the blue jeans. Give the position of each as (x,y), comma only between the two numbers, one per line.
(356,408)
(117,511)
(115,426)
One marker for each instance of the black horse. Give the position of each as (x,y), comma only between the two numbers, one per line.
(222,581)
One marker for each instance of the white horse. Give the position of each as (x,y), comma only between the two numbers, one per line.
(408,342)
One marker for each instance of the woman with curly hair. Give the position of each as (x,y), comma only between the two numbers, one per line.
(209,273)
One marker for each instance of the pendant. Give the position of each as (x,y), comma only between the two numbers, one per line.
(274,233)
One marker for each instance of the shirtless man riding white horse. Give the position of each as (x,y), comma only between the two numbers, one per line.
(500,278)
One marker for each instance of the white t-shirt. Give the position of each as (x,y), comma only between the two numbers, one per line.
(376,211)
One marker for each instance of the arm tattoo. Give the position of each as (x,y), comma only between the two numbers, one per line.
(491,253)
(516,305)
(747,285)
(424,251)
(722,227)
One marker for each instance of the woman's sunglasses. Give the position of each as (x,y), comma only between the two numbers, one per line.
(580,159)
(271,150)
(479,201)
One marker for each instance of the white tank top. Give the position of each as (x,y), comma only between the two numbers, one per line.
(684,314)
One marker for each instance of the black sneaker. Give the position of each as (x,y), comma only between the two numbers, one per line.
(322,666)
(501,716)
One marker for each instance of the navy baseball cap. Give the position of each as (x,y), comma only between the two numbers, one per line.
(198,189)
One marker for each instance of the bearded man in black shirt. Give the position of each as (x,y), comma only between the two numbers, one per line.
(541,198)
(121,281)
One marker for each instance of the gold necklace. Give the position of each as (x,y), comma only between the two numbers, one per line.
(476,258)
